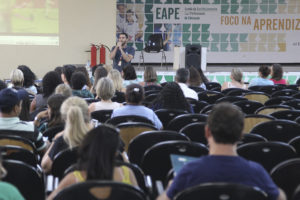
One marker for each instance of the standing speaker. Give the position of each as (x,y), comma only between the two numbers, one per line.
(193,56)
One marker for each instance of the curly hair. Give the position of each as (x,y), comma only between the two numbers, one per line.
(49,82)
(172,97)
(29,76)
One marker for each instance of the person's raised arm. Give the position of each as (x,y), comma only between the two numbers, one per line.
(114,51)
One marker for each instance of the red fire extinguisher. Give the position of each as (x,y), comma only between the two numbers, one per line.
(93,55)
(102,54)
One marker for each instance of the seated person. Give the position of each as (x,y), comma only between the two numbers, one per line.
(236,77)
(105,90)
(10,108)
(182,77)
(196,80)
(223,131)
(50,81)
(171,97)
(50,117)
(263,73)
(97,154)
(277,74)
(134,97)
(64,90)
(129,76)
(150,77)
(78,82)
(75,113)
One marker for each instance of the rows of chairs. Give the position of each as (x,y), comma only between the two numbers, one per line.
(271,138)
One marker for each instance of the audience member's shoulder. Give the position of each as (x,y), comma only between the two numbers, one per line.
(27,126)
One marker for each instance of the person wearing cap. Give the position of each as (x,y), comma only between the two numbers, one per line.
(10,108)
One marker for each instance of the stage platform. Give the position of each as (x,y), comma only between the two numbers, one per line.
(221,72)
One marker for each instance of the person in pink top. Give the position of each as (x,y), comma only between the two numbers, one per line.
(277,73)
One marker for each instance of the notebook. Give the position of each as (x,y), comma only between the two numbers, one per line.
(178,161)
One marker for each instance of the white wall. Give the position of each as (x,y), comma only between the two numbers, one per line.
(81,22)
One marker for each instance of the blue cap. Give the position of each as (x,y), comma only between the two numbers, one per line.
(11,97)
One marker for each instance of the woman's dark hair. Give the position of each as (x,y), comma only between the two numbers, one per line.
(195,78)
(172,97)
(95,67)
(54,102)
(99,73)
(49,82)
(129,73)
(264,70)
(68,70)
(203,77)
(78,80)
(277,72)
(134,94)
(29,76)
(58,69)
(2,85)
(86,74)
(98,151)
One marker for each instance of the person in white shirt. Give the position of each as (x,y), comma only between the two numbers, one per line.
(182,76)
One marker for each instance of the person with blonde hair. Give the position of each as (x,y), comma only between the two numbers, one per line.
(150,77)
(116,78)
(97,156)
(236,80)
(75,112)
(64,90)
(108,68)
(105,90)
(17,78)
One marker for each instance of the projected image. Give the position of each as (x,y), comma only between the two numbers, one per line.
(29,18)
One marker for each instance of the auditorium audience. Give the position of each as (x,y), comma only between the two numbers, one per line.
(66,74)
(182,77)
(29,79)
(104,140)
(150,77)
(223,131)
(8,191)
(51,117)
(49,83)
(105,91)
(134,97)
(171,97)
(78,83)
(10,108)
(277,74)
(64,90)
(195,79)
(74,112)
(129,76)
(236,77)
(263,73)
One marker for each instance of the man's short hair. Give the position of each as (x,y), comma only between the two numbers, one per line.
(126,35)
(182,75)
(226,123)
